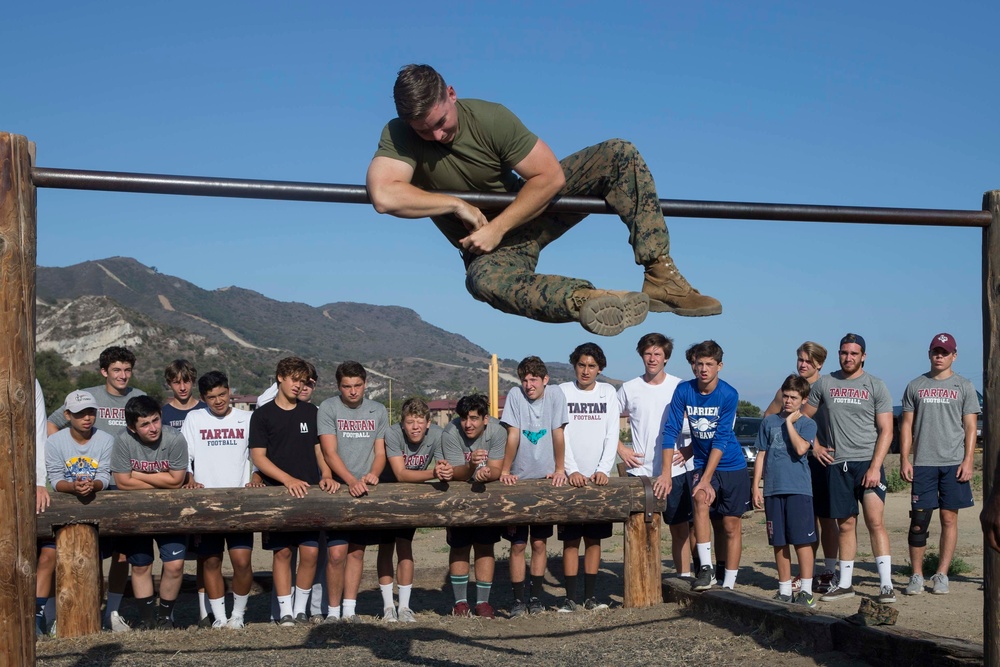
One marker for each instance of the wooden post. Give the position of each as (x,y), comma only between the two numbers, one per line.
(17,402)
(991,419)
(78,581)
(642,567)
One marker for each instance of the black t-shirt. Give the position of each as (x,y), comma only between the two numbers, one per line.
(290,438)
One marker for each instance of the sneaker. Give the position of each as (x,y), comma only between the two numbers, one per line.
(52,628)
(301,618)
(461,609)
(535,606)
(669,292)
(235,622)
(316,619)
(568,606)
(607,312)
(940,584)
(796,585)
(353,618)
(207,622)
(485,610)
(778,597)
(165,624)
(219,623)
(389,615)
(805,600)
(405,615)
(885,595)
(287,621)
(329,620)
(838,594)
(916,585)
(826,582)
(593,605)
(519,609)
(705,579)
(118,624)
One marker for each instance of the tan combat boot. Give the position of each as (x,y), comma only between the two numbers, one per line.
(669,292)
(607,312)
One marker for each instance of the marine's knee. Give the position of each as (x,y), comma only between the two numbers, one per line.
(621,147)
(919,522)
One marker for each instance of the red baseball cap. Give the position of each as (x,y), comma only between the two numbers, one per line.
(945,341)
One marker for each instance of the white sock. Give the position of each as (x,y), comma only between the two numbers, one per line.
(729,581)
(348,606)
(301,600)
(785,587)
(334,612)
(686,575)
(846,573)
(240,604)
(884,565)
(386,590)
(114,602)
(284,606)
(50,611)
(202,605)
(704,553)
(404,595)
(830,564)
(219,608)
(807,586)
(316,600)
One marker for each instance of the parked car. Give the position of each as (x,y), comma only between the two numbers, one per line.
(746,429)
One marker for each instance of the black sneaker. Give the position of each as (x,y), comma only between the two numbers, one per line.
(838,594)
(519,609)
(805,599)
(535,606)
(779,597)
(165,624)
(206,622)
(301,619)
(705,579)
(567,607)
(287,621)
(593,605)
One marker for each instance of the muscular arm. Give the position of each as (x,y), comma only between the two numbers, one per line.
(131,481)
(905,446)
(391,191)
(328,442)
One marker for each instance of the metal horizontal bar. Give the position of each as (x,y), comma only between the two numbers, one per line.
(78,179)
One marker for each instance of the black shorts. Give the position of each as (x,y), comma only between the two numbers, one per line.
(591,531)
(846,487)
(679,508)
(935,487)
(276,540)
(821,487)
(212,544)
(460,538)
(732,492)
(367,538)
(519,534)
(390,535)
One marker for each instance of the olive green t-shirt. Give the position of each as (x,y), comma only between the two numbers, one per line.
(490,141)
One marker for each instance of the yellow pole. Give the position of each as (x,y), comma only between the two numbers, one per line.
(494,387)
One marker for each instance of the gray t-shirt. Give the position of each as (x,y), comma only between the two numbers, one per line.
(66,459)
(457,449)
(418,456)
(110,409)
(938,407)
(785,471)
(851,408)
(536,420)
(167,455)
(356,429)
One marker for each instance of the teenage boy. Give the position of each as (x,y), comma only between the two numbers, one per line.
(77,461)
(352,434)
(720,488)
(219,458)
(859,424)
(645,400)
(536,446)
(148,455)
(284,447)
(939,427)
(475,445)
(413,450)
(591,446)
(783,444)
(180,376)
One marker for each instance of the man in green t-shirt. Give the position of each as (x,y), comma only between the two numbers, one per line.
(440,142)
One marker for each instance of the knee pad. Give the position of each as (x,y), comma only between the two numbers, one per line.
(920,520)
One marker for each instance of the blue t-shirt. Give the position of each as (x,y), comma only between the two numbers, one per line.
(174,417)
(785,471)
(710,418)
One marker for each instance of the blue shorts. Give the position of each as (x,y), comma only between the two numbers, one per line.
(214,544)
(846,480)
(732,491)
(519,534)
(821,488)
(790,520)
(935,487)
(591,531)
(276,541)
(104,549)
(460,538)
(679,508)
(138,549)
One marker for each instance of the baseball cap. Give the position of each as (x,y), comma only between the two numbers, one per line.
(945,341)
(78,401)
(854,338)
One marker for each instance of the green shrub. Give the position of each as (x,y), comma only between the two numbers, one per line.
(894,482)
(931,561)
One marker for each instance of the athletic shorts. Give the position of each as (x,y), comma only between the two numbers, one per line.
(103,546)
(214,543)
(276,540)
(732,491)
(679,507)
(390,535)
(466,536)
(846,490)
(367,538)
(821,488)
(591,531)
(790,520)
(519,534)
(935,487)
(138,549)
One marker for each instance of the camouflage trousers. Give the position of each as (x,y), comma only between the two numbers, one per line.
(613,170)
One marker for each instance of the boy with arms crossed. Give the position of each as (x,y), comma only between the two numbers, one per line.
(475,445)
(720,488)
(284,447)
(411,447)
(352,434)
(536,447)
(591,446)
(783,445)
(939,427)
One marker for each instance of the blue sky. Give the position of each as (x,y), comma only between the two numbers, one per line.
(872,104)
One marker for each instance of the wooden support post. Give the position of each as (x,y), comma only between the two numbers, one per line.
(991,419)
(17,402)
(642,566)
(78,581)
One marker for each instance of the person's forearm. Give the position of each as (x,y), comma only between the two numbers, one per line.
(161,480)
(881,448)
(405,200)
(129,482)
(712,463)
(531,200)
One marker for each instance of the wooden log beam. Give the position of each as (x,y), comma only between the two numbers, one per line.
(991,419)
(78,581)
(17,402)
(386,506)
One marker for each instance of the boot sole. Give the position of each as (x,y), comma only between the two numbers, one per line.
(610,315)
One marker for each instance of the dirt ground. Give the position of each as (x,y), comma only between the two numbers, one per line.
(667,633)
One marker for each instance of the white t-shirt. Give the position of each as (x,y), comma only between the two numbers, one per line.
(592,431)
(41,435)
(646,405)
(218,450)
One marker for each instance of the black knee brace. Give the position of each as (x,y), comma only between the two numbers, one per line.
(920,520)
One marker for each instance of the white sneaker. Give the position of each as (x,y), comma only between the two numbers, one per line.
(235,622)
(406,615)
(219,623)
(118,623)
(389,615)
